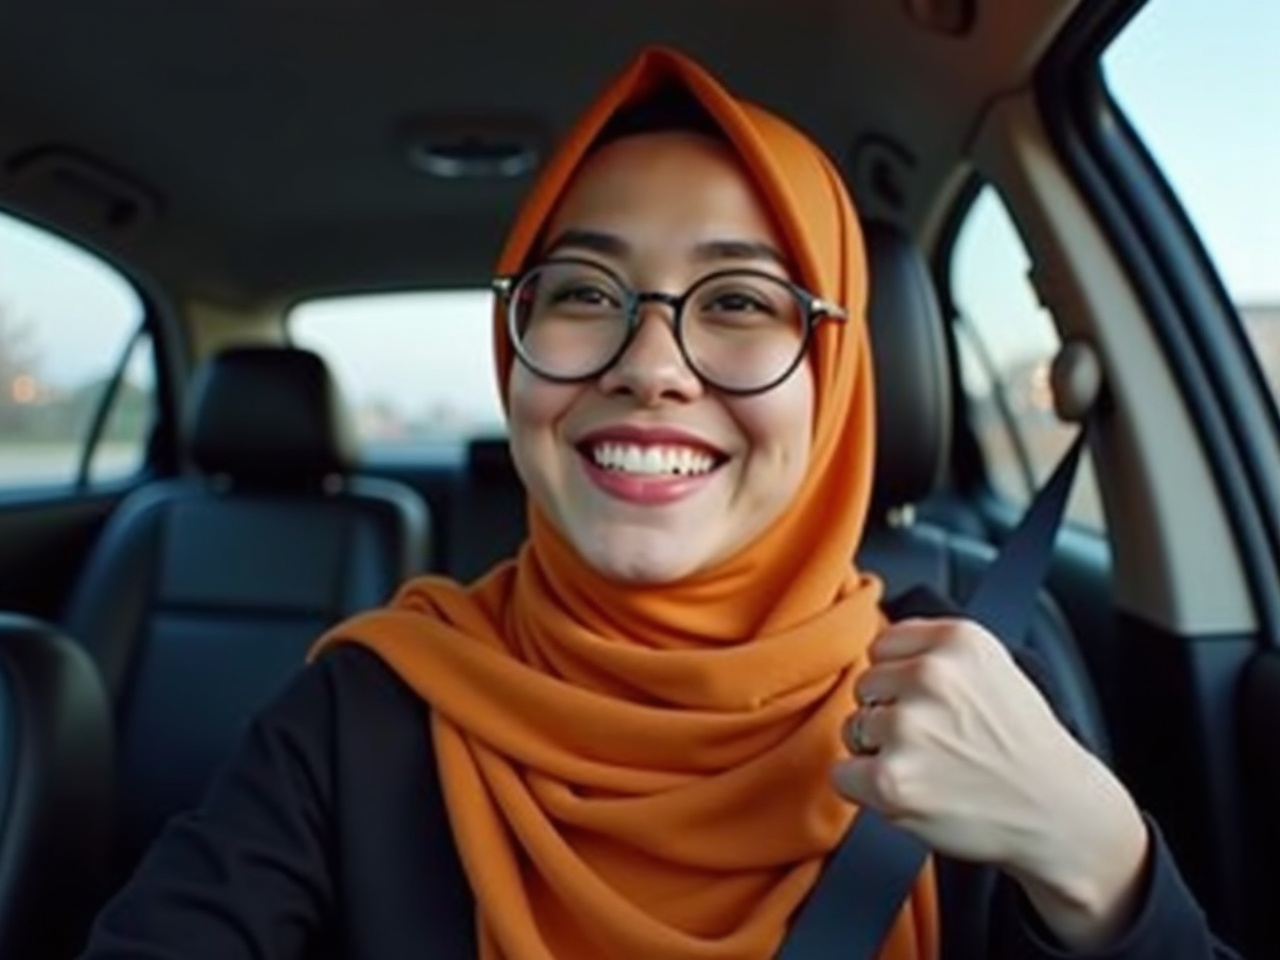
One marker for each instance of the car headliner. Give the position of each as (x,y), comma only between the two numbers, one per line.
(238,153)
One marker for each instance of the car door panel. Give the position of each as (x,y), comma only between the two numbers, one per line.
(43,543)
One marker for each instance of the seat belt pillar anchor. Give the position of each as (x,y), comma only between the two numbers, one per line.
(1076,380)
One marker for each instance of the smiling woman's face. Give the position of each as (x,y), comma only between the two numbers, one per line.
(647,472)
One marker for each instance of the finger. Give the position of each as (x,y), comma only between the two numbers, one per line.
(854,779)
(868,782)
(885,683)
(911,638)
(868,730)
(908,638)
(854,735)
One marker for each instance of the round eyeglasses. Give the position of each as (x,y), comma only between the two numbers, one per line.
(740,331)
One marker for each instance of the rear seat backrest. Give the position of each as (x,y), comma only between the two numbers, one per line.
(204,593)
(489,521)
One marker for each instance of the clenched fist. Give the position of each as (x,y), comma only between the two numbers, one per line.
(952,742)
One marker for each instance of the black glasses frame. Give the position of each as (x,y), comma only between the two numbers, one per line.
(815,309)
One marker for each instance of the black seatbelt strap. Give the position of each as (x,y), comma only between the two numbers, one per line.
(865,882)
(859,894)
(1005,597)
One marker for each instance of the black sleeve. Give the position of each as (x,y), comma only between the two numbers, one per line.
(1167,923)
(249,873)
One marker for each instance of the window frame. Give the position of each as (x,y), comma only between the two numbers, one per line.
(970,471)
(1234,417)
(106,406)
(1191,313)
(161,448)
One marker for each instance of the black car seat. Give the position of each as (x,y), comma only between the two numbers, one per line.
(56,767)
(204,593)
(487,522)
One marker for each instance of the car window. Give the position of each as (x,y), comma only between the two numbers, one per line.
(1213,127)
(1006,342)
(415,368)
(77,374)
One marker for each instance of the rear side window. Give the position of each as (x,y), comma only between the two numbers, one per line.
(77,370)
(415,368)
(1006,342)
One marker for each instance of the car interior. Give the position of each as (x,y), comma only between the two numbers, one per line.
(198,475)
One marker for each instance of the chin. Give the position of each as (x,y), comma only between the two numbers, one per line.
(647,559)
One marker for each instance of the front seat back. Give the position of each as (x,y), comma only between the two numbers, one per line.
(204,593)
(55,789)
(914,422)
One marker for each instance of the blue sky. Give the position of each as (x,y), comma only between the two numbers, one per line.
(1199,78)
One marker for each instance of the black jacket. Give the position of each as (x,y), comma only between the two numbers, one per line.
(325,837)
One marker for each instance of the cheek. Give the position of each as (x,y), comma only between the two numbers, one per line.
(535,409)
(779,427)
(530,401)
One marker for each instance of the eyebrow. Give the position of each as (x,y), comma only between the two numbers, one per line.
(739,250)
(612,245)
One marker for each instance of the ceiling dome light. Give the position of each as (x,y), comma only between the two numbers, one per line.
(488,149)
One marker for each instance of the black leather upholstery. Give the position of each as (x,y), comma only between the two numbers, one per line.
(914,422)
(913,380)
(267,416)
(55,789)
(489,523)
(204,593)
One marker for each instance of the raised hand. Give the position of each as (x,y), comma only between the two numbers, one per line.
(952,742)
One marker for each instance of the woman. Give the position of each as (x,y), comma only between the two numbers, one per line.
(642,737)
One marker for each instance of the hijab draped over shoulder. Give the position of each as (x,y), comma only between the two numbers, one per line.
(644,771)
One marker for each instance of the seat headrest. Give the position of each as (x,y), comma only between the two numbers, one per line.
(268,415)
(912,374)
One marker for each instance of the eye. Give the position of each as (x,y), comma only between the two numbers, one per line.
(585,293)
(738,301)
(577,290)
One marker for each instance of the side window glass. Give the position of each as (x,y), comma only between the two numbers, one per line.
(415,368)
(1006,343)
(69,346)
(1199,84)
(128,415)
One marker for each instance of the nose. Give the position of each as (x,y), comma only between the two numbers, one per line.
(652,368)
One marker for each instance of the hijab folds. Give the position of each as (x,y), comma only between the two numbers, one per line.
(643,772)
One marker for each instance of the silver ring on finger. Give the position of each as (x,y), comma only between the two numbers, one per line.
(858,741)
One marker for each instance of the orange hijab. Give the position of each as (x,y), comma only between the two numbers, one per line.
(643,772)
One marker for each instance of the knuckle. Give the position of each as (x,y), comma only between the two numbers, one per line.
(932,673)
(898,725)
(973,641)
(890,782)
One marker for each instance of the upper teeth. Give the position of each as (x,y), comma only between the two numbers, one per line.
(656,460)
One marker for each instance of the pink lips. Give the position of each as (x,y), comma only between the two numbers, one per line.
(641,490)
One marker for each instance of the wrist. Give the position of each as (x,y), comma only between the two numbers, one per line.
(1085,877)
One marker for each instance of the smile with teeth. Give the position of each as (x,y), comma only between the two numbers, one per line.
(658,460)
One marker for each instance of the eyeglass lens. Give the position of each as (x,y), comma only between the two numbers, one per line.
(740,330)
